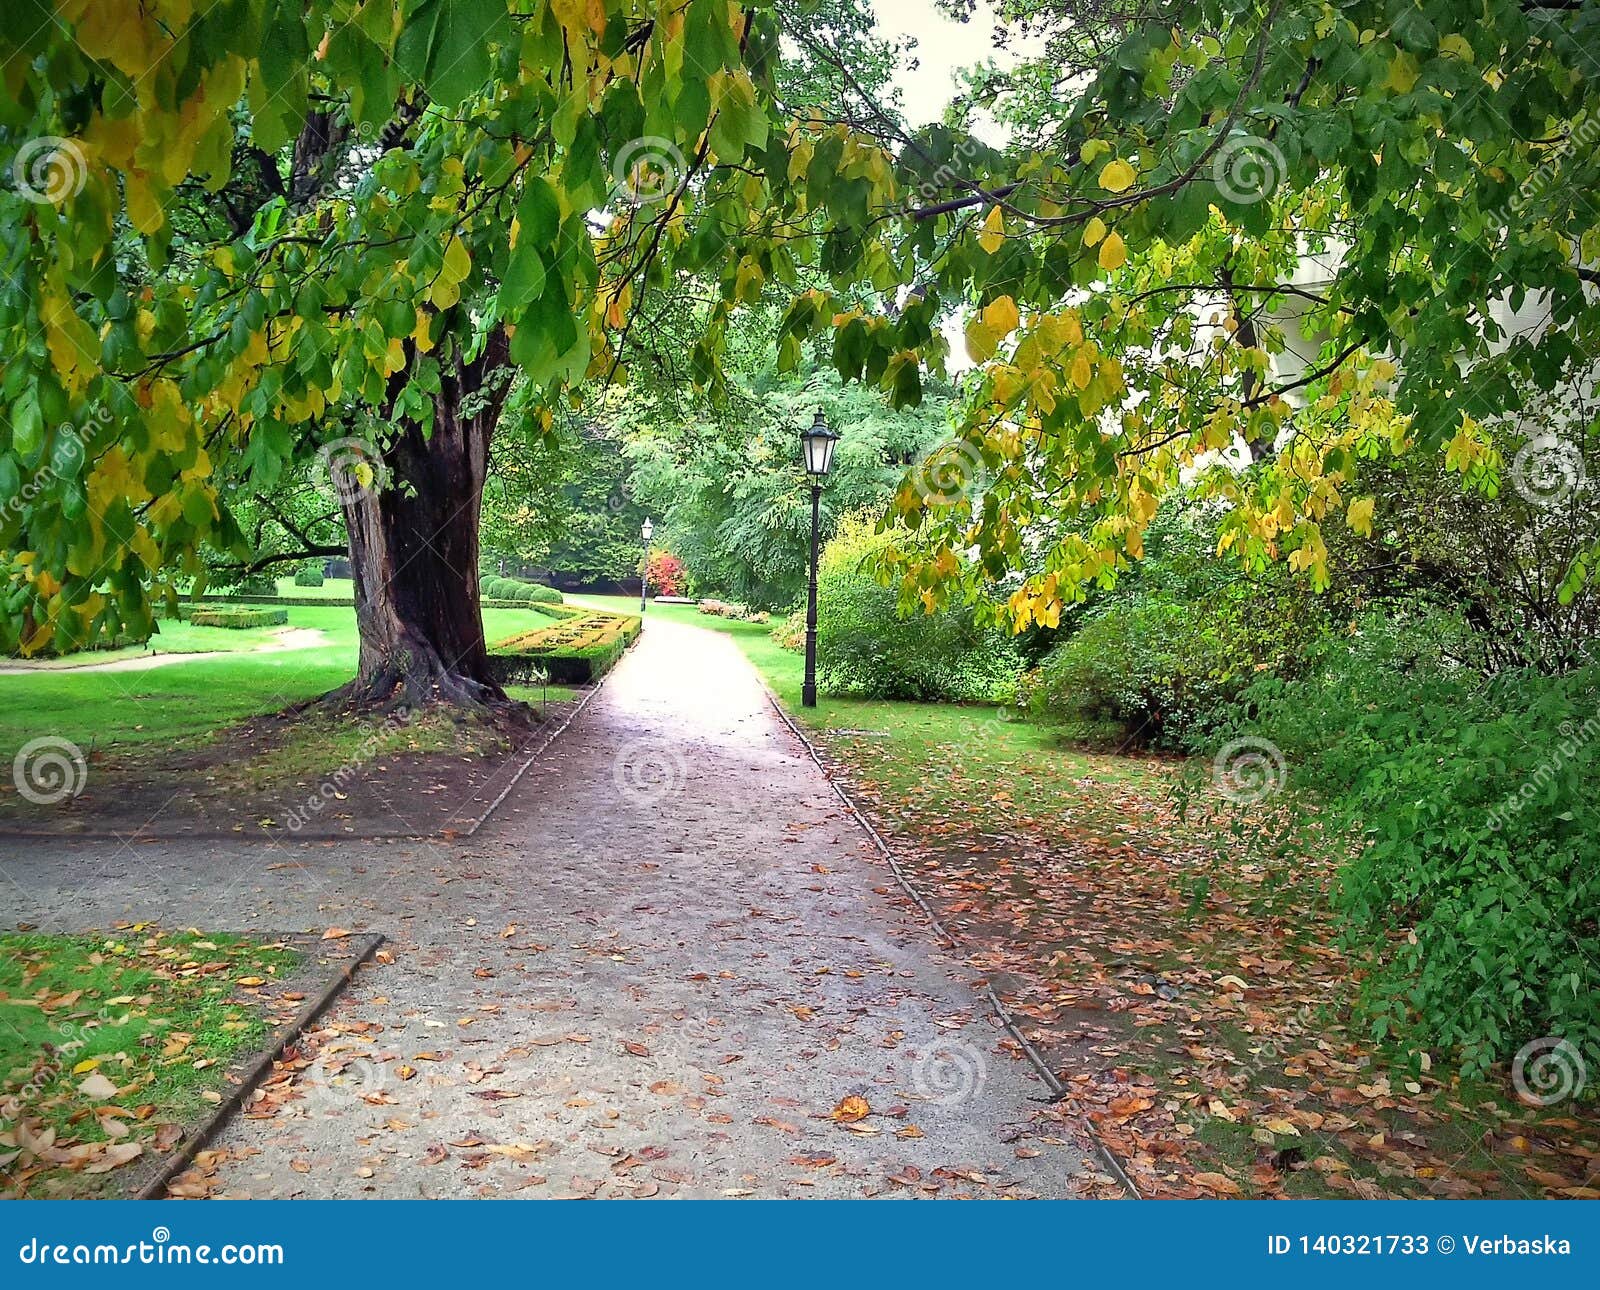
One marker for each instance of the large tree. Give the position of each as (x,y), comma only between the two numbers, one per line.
(247,235)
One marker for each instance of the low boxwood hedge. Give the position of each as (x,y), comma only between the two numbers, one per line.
(310,602)
(580,648)
(515,591)
(237,617)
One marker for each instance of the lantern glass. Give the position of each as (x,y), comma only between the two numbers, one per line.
(648,528)
(818,443)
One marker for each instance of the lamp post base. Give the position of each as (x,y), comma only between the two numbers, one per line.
(808,696)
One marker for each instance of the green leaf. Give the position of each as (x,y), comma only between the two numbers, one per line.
(445,44)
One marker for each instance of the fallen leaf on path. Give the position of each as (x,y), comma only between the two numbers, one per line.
(851,1109)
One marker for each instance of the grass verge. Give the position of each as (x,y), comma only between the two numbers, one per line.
(110,1045)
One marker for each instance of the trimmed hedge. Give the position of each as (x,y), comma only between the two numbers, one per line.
(549,608)
(228,616)
(308,578)
(558,612)
(314,602)
(581,648)
(516,591)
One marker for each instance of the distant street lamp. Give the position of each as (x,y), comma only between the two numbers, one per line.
(817,443)
(644,569)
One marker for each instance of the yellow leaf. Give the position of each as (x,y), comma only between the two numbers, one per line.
(1403,73)
(1359,516)
(144,211)
(1112,253)
(457,261)
(1082,373)
(420,334)
(1093,231)
(444,293)
(1000,315)
(994,231)
(1117,177)
(1457,44)
(981,341)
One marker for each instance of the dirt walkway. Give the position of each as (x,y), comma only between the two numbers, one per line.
(659,971)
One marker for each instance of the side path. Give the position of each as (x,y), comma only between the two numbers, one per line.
(671,965)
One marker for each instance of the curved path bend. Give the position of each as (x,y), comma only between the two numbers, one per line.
(658,970)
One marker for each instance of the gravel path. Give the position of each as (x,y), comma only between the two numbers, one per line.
(657,971)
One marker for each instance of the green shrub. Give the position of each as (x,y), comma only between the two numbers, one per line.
(1148,668)
(255,584)
(516,591)
(864,647)
(237,616)
(1472,899)
(1164,655)
(311,577)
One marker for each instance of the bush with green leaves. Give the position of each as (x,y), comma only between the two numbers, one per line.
(518,591)
(1163,656)
(1472,901)
(308,577)
(865,647)
(254,584)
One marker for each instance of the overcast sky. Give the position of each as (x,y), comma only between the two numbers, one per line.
(942,46)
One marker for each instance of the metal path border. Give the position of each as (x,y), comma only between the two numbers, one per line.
(154,1187)
(1057,1089)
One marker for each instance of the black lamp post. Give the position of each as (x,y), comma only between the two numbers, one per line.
(644,569)
(817,444)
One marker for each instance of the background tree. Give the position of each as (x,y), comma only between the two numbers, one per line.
(734,497)
(1127,265)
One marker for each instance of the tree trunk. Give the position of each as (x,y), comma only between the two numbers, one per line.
(414,548)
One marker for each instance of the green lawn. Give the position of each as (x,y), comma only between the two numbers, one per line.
(185,703)
(331,589)
(111,1041)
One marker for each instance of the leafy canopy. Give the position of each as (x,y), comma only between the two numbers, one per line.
(1289,231)
(467,177)
(521,175)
